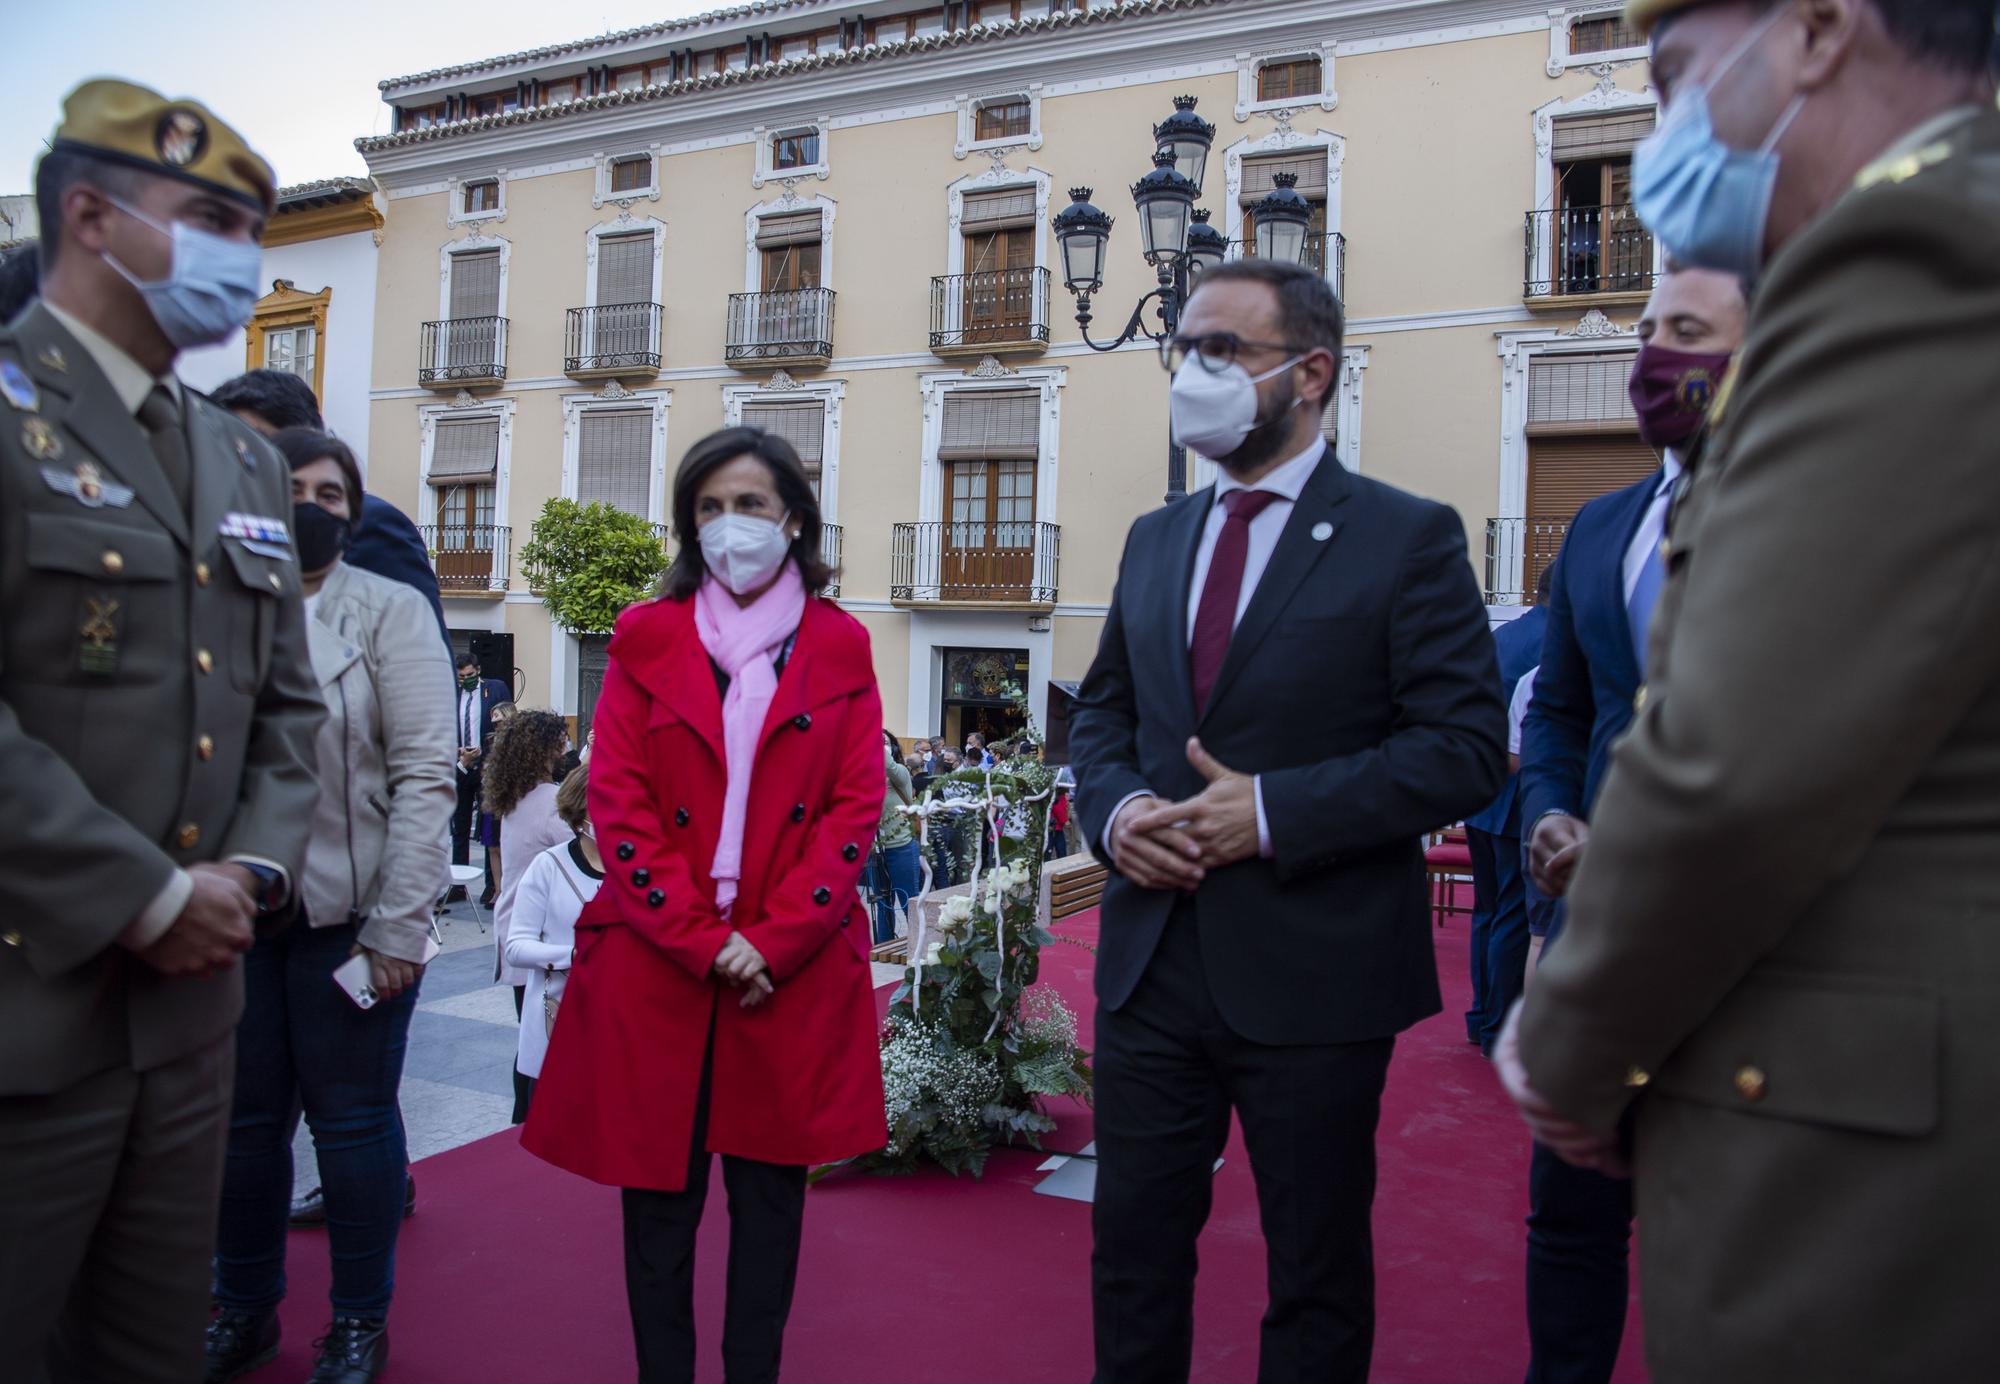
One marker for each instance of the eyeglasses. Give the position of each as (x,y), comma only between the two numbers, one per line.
(1217,351)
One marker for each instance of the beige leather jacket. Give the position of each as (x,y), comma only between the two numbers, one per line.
(380,829)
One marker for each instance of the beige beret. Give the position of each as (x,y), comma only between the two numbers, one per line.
(136,126)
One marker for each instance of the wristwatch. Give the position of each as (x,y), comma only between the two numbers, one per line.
(270,893)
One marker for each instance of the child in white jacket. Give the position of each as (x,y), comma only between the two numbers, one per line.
(541,931)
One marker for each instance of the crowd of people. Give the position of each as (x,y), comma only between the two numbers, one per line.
(242,762)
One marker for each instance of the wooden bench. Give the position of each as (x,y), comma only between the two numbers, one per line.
(1076,885)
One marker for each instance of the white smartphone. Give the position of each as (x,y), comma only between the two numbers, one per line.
(353,976)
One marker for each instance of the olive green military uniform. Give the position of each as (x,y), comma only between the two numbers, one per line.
(157,709)
(1784,939)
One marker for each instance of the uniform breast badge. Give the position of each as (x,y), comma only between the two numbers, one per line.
(40,440)
(99,650)
(17,388)
(54,359)
(86,485)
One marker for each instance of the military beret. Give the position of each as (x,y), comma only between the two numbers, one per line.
(142,129)
(1644,14)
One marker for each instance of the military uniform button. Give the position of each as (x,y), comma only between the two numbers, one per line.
(798,812)
(680,816)
(802,722)
(1750,1083)
(11,938)
(850,852)
(114,562)
(204,660)
(657,897)
(205,747)
(641,878)
(201,574)
(189,837)
(822,896)
(626,850)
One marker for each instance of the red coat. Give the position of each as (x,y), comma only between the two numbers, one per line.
(799,1079)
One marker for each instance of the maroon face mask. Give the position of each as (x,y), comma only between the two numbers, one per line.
(1671,392)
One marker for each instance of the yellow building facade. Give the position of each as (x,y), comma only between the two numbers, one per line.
(834,220)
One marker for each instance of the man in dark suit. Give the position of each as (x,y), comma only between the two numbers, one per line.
(1295,682)
(478,698)
(1592,662)
(1499,892)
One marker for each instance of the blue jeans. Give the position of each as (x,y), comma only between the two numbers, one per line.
(894,875)
(303,1042)
(1499,933)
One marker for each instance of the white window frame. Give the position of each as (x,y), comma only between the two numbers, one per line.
(625,224)
(1563,21)
(789,205)
(620,400)
(474,241)
(428,416)
(936,385)
(1284,142)
(1595,334)
(292,329)
(1603,97)
(782,388)
(1249,64)
(767,170)
(968,121)
(604,192)
(455,215)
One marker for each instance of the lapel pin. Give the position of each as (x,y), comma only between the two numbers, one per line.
(243,455)
(54,359)
(1322,531)
(17,388)
(40,439)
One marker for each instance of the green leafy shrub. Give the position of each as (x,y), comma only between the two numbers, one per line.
(591,561)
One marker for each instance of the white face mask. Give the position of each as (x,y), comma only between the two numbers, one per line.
(1214,410)
(743,551)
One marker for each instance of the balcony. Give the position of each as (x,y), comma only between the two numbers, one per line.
(829,553)
(1518,551)
(790,327)
(1598,253)
(463,353)
(1322,249)
(1008,564)
(990,313)
(617,339)
(470,559)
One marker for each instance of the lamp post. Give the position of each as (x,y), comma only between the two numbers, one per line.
(1176,239)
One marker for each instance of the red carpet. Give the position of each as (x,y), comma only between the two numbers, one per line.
(511,1272)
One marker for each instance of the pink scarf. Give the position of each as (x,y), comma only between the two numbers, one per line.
(744,641)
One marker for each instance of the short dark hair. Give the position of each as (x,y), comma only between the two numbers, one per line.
(278,397)
(1309,314)
(20,280)
(468,659)
(1956,35)
(795,492)
(304,446)
(63,168)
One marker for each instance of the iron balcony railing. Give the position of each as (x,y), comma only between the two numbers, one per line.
(1325,254)
(1587,250)
(463,349)
(1518,551)
(1014,561)
(829,553)
(469,557)
(995,307)
(614,336)
(791,324)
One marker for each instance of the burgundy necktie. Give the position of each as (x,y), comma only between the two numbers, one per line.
(1215,617)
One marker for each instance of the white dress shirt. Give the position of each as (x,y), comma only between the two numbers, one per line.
(1652,526)
(1517,709)
(1287,482)
(468,725)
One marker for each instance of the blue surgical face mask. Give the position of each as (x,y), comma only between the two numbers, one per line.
(210,291)
(1708,203)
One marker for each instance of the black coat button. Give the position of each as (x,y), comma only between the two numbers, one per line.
(680,816)
(641,878)
(657,897)
(626,850)
(850,851)
(802,722)
(798,812)
(822,896)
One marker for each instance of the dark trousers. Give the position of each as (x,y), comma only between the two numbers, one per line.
(524,1086)
(303,1041)
(1579,1241)
(107,1221)
(465,828)
(1499,933)
(1169,1071)
(895,875)
(767,1205)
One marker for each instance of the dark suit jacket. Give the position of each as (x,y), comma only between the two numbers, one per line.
(1519,646)
(1590,672)
(389,545)
(493,694)
(1361,685)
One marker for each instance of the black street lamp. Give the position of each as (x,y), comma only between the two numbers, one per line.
(1176,239)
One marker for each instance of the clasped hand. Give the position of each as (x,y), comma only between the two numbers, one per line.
(1174,845)
(742,965)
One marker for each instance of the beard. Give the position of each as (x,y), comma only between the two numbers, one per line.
(1269,437)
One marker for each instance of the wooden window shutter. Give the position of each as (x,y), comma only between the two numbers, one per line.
(797,228)
(465,451)
(625,268)
(991,426)
(801,422)
(614,459)
(993,211)
(1566,473)
(1601,136)
(475,284)
(1259,175)
(1568,393)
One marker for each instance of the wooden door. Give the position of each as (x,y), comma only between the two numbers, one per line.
(999,284)
(989,538)
(789,313)
(1627,254)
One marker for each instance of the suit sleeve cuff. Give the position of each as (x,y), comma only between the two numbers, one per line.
(1112,820)
(284,875)
(1264,847)
(152,923)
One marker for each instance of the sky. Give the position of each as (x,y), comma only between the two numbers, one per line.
(297,82)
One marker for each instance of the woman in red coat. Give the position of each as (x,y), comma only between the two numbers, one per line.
(721,999)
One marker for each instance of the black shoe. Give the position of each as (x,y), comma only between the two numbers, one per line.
(355,1350)
(410,1196)
(309,1211)
(455,894)
(239,1342)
